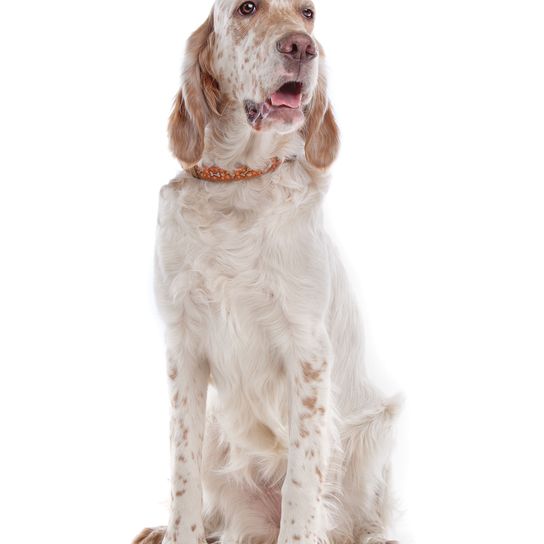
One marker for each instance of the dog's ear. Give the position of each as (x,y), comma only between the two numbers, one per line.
(198,98)
(321,134)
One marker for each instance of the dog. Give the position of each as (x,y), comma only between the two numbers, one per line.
(277,436)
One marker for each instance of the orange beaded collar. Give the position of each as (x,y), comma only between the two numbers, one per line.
(243,173)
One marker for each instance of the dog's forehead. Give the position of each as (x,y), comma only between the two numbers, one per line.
(224,10)
(231,5)
(272,14)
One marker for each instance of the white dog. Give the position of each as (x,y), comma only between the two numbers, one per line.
(276,433)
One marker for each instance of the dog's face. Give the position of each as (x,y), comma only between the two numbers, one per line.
(266,59)
(261,60)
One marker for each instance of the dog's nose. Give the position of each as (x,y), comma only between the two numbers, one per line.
(297,46)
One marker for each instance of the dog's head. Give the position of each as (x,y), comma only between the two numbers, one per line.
(261,59)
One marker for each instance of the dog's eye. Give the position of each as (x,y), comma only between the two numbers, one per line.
(247,8)
(308,13)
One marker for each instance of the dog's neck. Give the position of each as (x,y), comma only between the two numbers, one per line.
(230,143)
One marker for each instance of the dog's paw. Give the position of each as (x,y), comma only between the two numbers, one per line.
(378,540)
(150,536)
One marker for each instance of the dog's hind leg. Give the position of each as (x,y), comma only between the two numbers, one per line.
(367,440)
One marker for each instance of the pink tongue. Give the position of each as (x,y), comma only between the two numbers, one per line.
(286,99)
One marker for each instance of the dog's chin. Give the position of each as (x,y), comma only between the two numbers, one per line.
(262,117)
(282,112)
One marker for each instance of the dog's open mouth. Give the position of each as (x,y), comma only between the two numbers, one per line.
(288,95)
(285,105)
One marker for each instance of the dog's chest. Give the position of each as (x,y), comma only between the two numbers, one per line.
(239,273)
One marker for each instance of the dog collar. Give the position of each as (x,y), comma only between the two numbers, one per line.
(242,173)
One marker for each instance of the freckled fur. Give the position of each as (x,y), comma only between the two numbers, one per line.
(279,433)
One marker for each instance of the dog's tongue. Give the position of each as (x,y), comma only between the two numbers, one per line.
(282,98)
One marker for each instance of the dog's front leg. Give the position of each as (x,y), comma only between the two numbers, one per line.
(308,373)
(188,377)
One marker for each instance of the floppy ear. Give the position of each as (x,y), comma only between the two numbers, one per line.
(322,137)
(197,99)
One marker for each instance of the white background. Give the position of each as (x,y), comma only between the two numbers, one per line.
(437,203)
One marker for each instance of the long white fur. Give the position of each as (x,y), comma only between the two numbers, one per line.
(290,443)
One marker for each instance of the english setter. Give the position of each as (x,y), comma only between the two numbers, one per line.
(276,433)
